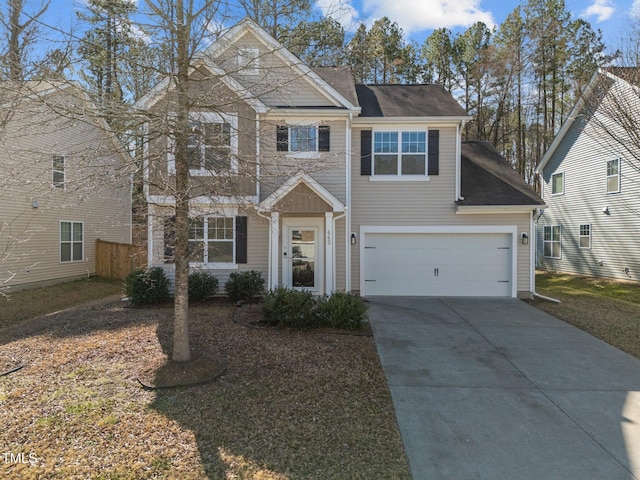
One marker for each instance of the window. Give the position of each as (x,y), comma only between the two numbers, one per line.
(613,176)
(209,147)
(400,153)
(58,171)
(551,242)
(585,236)
(303,138)
(557,183)
(211,240)
(71,241)
(248,61)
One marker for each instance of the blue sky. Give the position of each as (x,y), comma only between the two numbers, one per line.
(418,18)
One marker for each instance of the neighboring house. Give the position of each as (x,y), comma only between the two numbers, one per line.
(64,184)
(590,180)
(325,185)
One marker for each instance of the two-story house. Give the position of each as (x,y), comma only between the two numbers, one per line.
(590,180)
(325,185)
(64,185)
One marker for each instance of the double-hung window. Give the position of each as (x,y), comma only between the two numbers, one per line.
(303,139)
(585,236)
(552,241)
(399,153)
(71,241)
(212,240)
(58,175)
(613,176)
(557,183)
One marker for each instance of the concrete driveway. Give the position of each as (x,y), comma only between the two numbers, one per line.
(495,389)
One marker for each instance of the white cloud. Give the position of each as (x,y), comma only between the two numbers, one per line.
(635,9)
(342,11)
(417,15)
(602,10)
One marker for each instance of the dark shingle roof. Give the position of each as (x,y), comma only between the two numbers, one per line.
(341,79)
(407,101)
(487,179)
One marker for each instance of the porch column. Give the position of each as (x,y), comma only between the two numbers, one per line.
(329,246)
(274,247)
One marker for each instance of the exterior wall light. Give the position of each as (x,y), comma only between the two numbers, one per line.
(353,238)
(525,238)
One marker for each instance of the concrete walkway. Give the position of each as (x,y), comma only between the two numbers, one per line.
(496,389)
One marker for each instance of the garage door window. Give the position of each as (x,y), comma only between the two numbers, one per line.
(552,242)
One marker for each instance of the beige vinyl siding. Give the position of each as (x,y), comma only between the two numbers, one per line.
(97,193)
(423,204)
(327,168)
(276,84)
(583,156)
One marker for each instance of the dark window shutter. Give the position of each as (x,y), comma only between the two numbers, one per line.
(241,239)
(323,138)
(365,152)
(434,152)
(282,138)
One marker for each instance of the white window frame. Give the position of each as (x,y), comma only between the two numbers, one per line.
(399,176)
(58,184)
(248,61)
(209,117)
(561,174)
(70,242)
(587,236)
(551,242)
(205,240)
(614,176)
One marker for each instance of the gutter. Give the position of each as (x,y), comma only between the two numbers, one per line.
(535,246)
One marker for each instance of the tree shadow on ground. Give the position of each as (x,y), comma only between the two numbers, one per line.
(290,405)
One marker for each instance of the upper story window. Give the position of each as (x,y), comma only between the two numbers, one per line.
(71,241)
(209,146)
(303,139)
(399,153)
(613,176)
(58,175)
(212,146)
(248,61)
(557,183)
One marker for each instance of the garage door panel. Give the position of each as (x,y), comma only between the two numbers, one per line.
(438,264)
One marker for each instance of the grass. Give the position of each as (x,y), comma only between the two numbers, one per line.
(24,304)
(607,309)
(291,405)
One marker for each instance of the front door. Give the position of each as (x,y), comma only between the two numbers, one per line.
(302,262)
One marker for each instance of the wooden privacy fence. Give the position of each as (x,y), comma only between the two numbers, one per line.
(116,260)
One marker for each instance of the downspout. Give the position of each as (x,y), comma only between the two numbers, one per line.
(347,226)
(268,219)
(534,258)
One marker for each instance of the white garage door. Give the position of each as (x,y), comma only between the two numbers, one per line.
(469,264)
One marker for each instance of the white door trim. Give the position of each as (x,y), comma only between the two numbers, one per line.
(508,229)
(291,223)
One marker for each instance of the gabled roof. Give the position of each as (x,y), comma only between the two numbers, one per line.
(488,180)
(577,109)
(408,101)
(228,38)
(287,187)
(340,78)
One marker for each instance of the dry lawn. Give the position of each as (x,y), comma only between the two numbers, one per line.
(291,405)
(607,309)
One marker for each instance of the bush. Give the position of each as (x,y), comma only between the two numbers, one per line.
(286,307)
(342,310)
(244,285)
(146,287)
(201,286)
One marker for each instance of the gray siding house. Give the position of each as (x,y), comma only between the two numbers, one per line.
(326,185)
(591,183)
(64,185)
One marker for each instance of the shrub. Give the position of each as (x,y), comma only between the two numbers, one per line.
(286,307)
(244,285)
(201,286)
(342,310)
(146,287)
